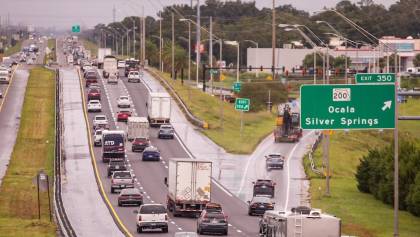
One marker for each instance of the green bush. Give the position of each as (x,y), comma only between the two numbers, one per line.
(375,175)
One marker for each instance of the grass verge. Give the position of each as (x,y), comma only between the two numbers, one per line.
(92,47)
(362,215)
(51,46)
(33,151)
(208,108)
(14,49)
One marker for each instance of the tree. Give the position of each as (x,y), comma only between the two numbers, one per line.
(416,60)
(258,93)
(340,62)
(181,60)
(308,61)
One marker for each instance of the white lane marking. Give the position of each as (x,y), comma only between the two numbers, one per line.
(230,225)
(223,189)
(152,201)
(166,167)
(148,197)
(179,228)
(172,222)
(289,157)
(239,231)
(244,176)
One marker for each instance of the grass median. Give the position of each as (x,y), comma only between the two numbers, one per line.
(52,47)
(362,215)
(33,151)
(14,49)
(256,126)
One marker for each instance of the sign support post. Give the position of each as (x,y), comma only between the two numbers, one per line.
(396,166)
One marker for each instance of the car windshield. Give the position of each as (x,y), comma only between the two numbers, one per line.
(216,217)
(166,127)
(113,163)
(130,191)
(134,73)
(94,102)
(123,98)
(274,156)
(125,111)
(122,175)
(261,200)
(100,118)
(98,132)
(152,209)
(140,139)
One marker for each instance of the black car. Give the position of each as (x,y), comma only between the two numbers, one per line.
(139,144)
(212,222)
(259,204)
(151,153)
(116,166)
(166,131)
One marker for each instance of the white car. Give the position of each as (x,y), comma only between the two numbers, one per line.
(100,121)
(97,138)
(152,216)
(94,106)
(123,102)
(134,76)
(112,79)
(121,64)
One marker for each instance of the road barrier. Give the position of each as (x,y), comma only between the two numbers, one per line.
(194,120)
(311,152)
(64,224)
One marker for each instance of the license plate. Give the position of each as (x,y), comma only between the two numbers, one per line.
(153,224)
(123,186)
(262,206)
(117,167)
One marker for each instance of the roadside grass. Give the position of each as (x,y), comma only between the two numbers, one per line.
(91,46)
(33,151)
(362,215)
(12,50)
(208,108)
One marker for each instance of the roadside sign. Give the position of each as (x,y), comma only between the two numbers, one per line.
(237,86)
(75,29)
(375,78)
(242,104)
(340,107)
(213,71)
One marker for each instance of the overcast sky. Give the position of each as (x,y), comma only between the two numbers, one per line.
(61,14)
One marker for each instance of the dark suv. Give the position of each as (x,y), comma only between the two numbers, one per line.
(212,222)
(116,166)
(264,187)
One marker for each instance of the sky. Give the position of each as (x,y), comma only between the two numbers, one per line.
(62,14)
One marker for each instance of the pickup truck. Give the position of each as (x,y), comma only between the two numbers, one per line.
(121,180)
(116,166)
(97,138)
(152,216)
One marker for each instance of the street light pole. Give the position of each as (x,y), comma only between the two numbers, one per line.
(237,65)
(189,51)
(198,44)
(160,44)
(173,47)
(273,39)
(211,52)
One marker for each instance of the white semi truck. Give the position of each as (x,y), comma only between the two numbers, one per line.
(110,66)
(137,127)
(189,186)
(158,108)
(102,52)
(301,221)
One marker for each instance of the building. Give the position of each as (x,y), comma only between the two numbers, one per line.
(362,57)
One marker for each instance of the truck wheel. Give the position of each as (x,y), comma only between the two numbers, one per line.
(165,230)
(226,232)
(119,204)
(112,190)
(139,230)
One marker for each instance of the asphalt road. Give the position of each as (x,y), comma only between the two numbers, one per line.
(150,175)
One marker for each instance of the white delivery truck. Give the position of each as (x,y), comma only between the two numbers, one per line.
(110,66)
(137,127)
(301,221)
(102,52)
(158,108)
(189,186)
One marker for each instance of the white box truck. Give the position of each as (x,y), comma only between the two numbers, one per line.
(301,221)
(189,185)
(110,66)
(102,52)
(137,127)
(158,108)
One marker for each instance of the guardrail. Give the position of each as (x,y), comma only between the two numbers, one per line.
(311,152)
(65,227)
(194,120)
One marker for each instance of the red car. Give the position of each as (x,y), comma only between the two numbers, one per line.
(123,115)
(94,94)
(139,144)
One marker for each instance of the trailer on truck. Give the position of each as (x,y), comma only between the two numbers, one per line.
(102,52)
(137,127)
(287,125)
(110,66)
(301,221)
(158,108)
(189,186)
(113,145)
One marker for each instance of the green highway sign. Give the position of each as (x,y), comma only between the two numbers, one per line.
(237,87)
(338,107)
(213,71)
(375,78)
(242,104)
(75,29)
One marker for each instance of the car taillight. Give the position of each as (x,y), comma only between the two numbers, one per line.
(270,205)
(139,218)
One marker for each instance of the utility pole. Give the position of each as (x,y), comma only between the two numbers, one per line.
(211,52)
(113,13)
(273,39)
(396,150)
(189,50)
(160,43)
(144,39)
(173,47)
(314,65)
(198,44)
(326,146)
(134,39)
(140,38)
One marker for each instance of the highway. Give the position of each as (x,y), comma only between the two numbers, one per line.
(150,175)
